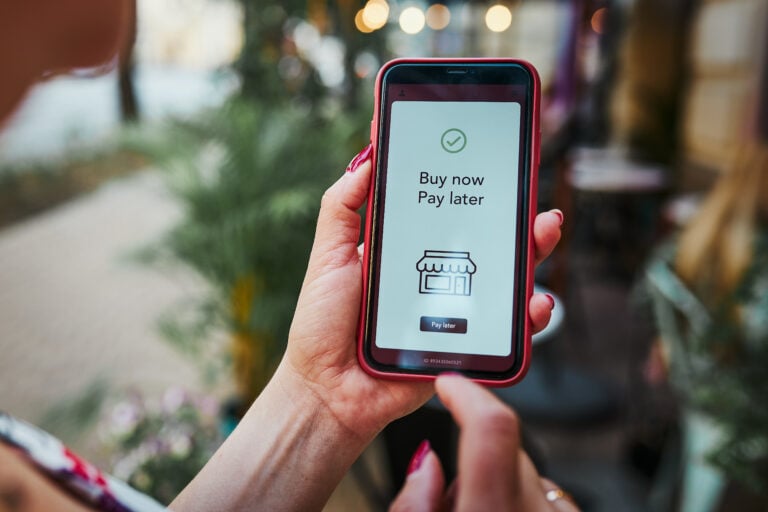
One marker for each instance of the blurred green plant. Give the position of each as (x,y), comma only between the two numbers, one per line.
(158,448)
(249,178)
(718,360)
(71,419)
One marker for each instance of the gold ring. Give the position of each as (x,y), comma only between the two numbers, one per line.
(557,494)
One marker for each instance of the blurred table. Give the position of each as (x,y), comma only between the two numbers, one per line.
(610,170)
(614,203)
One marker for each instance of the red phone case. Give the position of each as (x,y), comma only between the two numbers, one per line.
(533,187)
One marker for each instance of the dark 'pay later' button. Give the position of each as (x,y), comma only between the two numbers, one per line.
(441,324)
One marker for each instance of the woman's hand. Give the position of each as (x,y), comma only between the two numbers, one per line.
(320,410)
(321,351)
(494,473)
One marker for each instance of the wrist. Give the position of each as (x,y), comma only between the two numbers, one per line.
(312,402)
(287,453)
(309,444)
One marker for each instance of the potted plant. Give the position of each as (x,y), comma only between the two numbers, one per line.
(249,178)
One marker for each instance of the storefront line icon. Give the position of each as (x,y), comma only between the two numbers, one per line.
(446,272)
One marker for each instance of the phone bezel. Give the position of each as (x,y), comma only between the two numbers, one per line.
(507,369)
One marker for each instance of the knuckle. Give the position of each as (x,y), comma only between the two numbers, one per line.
(327,199)
(402,505)
(501,421)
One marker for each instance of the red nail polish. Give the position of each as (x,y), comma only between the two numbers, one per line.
(418,457)
(551,300)
(361,157)
(559,214)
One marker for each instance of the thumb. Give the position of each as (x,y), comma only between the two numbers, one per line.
(423,488)
(338,223)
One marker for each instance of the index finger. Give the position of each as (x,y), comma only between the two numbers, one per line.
(489,445)
(338,223)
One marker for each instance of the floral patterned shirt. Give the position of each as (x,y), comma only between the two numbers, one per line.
(82,479)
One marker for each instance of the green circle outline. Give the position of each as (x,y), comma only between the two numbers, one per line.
(442,140)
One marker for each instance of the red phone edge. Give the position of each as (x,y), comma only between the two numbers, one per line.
(533,187)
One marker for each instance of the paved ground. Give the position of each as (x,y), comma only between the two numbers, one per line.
(74,309)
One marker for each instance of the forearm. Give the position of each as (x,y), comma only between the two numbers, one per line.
(288,453)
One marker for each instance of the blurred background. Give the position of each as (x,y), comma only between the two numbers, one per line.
(156,217)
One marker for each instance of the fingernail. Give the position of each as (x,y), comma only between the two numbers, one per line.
(361,157)
(558,213)
(551,300)
(418,457)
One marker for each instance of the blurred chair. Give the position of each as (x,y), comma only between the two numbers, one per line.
(678,313)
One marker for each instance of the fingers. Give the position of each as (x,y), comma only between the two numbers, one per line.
(330,294)
(423,489)
(540,311)
(489,446)
(546,233)
(494,471)
(558,499)
(338,224)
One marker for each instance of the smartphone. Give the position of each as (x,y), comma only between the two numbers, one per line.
(448,260)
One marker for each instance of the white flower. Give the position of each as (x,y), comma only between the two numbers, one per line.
(124,418)
(173,399)
(180,446)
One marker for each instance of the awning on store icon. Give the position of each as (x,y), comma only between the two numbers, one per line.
(446,272)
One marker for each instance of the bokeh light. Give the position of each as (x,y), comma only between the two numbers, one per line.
(412,20)
(438,16)
(498,18)
(598,20)
(366,64)
(360,23)
(375,14)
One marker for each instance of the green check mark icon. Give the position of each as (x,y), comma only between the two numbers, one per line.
(453,140)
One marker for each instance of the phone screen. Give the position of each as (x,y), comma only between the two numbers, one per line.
(449,270)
